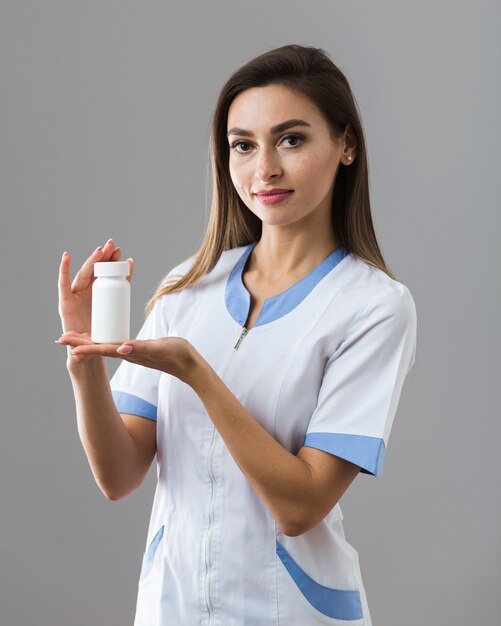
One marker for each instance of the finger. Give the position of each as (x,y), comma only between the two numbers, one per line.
(140,348)
(84,275)
(136,351)
(74,339)
(63,284)
(126,348)
(116,254)
(131,269)
(99,349)
(74,332)
(108,250)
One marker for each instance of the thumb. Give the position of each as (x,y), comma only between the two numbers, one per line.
(131,270)
(125,348)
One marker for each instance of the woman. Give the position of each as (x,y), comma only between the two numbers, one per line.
(268,371)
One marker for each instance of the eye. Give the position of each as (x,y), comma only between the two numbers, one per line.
(296,138)
(243,147)
(239,143)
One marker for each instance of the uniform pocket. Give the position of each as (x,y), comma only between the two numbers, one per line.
(151,553)
(337,604)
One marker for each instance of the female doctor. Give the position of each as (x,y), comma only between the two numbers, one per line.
(268,371)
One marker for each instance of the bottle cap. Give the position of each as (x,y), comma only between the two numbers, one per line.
(112,268)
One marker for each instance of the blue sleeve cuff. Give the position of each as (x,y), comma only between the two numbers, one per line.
(367,452)
(127,403)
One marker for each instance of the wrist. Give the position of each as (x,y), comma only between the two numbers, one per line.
(84,366)
(76,325)
(199,373)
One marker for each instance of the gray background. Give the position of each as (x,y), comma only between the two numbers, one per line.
(104,118)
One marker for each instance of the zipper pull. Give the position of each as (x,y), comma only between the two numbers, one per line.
(242,335)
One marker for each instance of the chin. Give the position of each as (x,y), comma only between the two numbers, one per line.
(285,221)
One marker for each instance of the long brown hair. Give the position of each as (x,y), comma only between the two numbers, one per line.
(310,72)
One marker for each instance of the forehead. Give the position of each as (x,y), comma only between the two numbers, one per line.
(263,107)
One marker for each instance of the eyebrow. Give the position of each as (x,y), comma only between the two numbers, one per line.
(273,130)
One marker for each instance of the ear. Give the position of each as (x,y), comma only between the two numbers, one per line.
(350,144)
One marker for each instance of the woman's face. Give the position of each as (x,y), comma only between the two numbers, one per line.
(300,157)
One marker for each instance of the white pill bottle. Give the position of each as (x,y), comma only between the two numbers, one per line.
(110,322)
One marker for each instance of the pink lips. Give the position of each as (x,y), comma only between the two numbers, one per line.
(273,196)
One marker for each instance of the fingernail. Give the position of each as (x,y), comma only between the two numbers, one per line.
(99,248)
(65,253)
(124,349)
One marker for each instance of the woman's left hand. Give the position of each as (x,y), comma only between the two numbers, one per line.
(173,355)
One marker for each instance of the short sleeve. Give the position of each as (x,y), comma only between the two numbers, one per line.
(363,381)
(135,387)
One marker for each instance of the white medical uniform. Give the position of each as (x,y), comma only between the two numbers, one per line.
(324,367)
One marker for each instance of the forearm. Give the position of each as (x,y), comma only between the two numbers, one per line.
(111,451)
(282,480)
(298,489)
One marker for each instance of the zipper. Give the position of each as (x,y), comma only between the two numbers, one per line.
(210,457)
(240,339)
(208,537)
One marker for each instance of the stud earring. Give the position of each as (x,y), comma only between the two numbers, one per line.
(349,158)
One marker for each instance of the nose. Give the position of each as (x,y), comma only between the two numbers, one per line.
(268,164)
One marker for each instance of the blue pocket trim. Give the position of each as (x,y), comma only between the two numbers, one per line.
(334,603)
(127,403)
(366,452)
(150,553)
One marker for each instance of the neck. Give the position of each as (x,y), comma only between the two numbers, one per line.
(279,255)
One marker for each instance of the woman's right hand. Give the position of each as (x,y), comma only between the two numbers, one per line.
(75,298)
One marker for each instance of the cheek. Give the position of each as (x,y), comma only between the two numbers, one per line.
(236,175)
(305,170)
(317,171)
(239,187)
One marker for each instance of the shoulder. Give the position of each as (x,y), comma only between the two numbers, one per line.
(377,315)
(181,268)
(371,291)
(224,264)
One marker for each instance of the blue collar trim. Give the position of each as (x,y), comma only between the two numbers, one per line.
(238,299)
